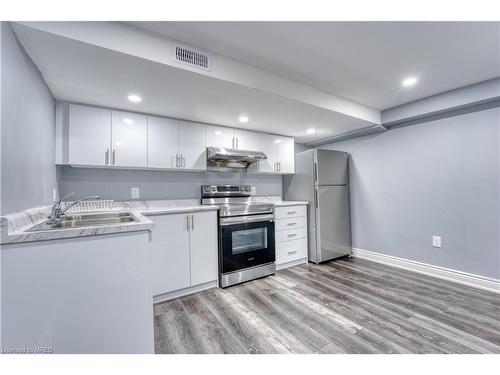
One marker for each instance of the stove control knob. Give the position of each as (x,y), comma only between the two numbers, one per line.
(242,188)
(206,188)
(214,189)
(247,188)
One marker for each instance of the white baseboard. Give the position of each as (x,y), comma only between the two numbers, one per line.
(184,292)
(291,264)
(476,281)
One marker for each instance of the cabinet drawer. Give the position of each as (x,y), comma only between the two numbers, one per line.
(292,223)
(289,251)
(291,211)
(291,234)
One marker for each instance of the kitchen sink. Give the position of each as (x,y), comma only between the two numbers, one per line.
(87,220)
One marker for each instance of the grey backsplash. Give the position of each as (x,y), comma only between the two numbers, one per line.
(116,184)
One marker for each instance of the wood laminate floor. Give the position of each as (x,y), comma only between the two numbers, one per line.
(344,306)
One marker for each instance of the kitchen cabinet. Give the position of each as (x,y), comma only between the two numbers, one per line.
(163,142)
(203,244)
(102,137)
(96,137)
(291,235)
(89,135)
(129,136)
(192,146)
(174,144)
(285,154)
(170,253)
(79,295)
(280,152)
(220,136)
(184,251)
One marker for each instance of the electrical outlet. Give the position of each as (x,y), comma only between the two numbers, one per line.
(254,190)
(436,241)
(134,193)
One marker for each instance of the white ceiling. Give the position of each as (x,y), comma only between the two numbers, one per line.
(85,73)
(361,61)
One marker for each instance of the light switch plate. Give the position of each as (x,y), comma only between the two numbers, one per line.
(436,241)
(135,193)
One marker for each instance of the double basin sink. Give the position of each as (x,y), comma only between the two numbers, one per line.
(85,220)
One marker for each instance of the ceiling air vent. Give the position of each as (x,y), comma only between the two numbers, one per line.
(192,57)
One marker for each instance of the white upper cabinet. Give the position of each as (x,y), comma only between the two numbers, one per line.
(163,143)
(247,140)
(89,135)
(129,139)
(219,136)
(285,151)
(192,146)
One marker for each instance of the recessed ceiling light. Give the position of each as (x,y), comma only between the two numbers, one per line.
(128,121)
(243,119)
(311,131)
(410,81)
(134,98)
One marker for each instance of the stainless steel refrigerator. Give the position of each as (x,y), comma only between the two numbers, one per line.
(322,178)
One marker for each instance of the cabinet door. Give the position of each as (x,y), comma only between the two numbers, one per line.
(204,252)
(170,253)
(286,155)
(163,142)
(129,139)
(192,146)
(89,135)
(219,136)
(267,146)
(247,140)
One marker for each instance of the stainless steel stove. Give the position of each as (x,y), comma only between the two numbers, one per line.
(246,233)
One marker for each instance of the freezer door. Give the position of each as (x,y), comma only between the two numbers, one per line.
(333,223)
(331,167)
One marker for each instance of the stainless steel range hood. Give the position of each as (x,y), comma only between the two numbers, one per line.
(227,159)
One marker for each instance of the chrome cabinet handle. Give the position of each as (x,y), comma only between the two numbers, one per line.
(114,156)
(291,224)
(192,222)
(187,222)
(292,235)
(106,157)
(291,212)
(292,252)
(315,172)
(316,197)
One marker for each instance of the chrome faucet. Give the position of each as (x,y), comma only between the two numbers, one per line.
(56,211)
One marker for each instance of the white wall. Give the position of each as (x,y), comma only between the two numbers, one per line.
(28,130)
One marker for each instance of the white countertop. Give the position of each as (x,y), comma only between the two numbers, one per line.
(14,226)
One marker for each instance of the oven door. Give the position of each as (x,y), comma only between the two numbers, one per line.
(246,242)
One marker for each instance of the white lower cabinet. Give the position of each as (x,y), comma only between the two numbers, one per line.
(184,251)
(291,235)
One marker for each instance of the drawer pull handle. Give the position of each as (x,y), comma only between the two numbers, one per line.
(292,235)
(291,212)
(291,224)
(292,252)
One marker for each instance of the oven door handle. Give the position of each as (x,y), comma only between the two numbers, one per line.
(245,219)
